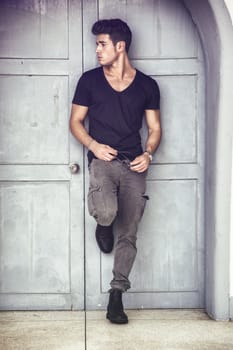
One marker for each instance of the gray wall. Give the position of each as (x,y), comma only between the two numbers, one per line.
(214,25)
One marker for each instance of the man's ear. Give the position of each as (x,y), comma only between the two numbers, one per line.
(120,46)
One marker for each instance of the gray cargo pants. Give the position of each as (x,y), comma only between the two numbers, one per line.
(116,192)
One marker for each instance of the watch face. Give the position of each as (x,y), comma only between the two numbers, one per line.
(149,155)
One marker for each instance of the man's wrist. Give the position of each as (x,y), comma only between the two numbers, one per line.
(149,155)
(90,144)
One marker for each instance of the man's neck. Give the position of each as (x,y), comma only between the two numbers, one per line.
(120,69)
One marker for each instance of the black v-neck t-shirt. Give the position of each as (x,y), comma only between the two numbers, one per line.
(115,117)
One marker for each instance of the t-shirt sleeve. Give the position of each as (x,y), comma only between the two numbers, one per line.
(82,93)
(153,99)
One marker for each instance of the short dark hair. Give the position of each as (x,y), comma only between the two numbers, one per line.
(116,28)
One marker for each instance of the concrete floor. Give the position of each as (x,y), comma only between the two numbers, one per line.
(147,329)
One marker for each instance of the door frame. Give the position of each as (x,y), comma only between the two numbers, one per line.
(217,40)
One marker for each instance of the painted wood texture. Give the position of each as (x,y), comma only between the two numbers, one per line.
(45,225)
(41,230)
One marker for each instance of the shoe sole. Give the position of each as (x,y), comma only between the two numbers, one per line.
(116,321)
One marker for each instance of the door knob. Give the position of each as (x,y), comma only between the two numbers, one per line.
(74,168)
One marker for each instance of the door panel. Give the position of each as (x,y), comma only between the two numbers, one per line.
(41,231)
(39,238)
(155,24)
(34,29)
(170,244)
(179,119)
(32,114)
(169,268)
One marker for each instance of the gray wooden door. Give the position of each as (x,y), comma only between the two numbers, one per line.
(169,268)
(44,47)
(41,237)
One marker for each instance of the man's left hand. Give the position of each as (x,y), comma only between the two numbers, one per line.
(140,163)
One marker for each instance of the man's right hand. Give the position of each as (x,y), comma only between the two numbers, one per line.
(103,152)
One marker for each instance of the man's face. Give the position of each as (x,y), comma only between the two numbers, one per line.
(105,49)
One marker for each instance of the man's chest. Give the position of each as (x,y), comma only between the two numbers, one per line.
(132,97)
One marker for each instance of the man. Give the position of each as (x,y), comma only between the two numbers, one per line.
(115,96)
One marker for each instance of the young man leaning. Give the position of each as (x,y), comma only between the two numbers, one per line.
(116,97)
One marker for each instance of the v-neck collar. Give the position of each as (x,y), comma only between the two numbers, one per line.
(116,91)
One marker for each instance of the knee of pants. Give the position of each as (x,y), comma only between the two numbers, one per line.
(129,241)
(103,214)
(105,218)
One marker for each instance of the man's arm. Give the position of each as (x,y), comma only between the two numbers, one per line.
(141,163)
(154,130)
(78,114)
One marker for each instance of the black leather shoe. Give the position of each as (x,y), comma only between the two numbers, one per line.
(115,311)
(104,238)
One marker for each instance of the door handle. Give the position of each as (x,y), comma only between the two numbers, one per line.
(74,168)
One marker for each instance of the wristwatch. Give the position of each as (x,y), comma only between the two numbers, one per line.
(150,155)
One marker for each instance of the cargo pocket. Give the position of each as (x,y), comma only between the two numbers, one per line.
(141,206)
